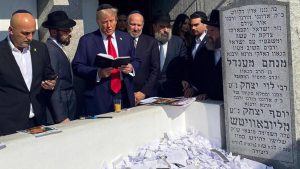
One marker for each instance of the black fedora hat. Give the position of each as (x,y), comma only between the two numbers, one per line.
(214,19)
(162,18)
(58,19)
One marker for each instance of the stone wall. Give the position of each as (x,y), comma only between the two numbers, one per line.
(295,46)
(74,10)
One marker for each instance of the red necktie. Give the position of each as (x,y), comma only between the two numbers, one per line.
(115,83)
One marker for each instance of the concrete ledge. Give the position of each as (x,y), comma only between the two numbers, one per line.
(88,143)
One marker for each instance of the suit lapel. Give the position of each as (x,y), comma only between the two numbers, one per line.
(56,46)
(169,54)
(139,45)
(119,40)
(99,44)
(13,64)
(202,43)
(34,62)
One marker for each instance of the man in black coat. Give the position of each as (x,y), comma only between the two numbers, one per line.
(173,54)
(208,82)
(25,76)
(198,30)
(63,100)
(196,61)
(146,49)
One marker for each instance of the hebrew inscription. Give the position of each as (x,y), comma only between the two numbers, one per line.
(255,49)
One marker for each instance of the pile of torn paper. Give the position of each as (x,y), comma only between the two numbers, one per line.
(185,151)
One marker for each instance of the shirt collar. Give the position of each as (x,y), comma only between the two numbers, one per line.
(200,38)
(105,36)
(136,39)
(55,41)
(13,48)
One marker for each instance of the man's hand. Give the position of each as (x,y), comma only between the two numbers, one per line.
(185,85)
(126,68)
(105,73)
(201,97)
(48,84)
(138,97)
(188,90)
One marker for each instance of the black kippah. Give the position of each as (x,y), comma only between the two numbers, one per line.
(135,11)
(104,6)
(21,11)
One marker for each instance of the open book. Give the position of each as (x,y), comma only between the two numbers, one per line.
(41,131)
(105,60)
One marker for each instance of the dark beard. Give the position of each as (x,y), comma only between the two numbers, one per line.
(63,40)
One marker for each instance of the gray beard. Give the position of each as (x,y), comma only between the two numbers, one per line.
(134,36)
(161,38)
(212,45)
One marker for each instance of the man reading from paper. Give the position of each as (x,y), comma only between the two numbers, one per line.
(104,85)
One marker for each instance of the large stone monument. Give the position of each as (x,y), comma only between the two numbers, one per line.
(258,80)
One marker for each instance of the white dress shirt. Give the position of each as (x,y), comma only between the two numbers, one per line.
(23,59)
(135,41)
(113,40)
(163,54)
(198,41)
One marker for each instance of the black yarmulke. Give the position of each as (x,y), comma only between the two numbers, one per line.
(104,6)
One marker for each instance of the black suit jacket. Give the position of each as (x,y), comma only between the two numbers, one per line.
(173,70)
(62,105)
(14,94)
(201,45)
(146,77)
(198,64)
(206,76)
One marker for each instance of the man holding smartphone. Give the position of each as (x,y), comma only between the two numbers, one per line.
(25,76)
(62,103)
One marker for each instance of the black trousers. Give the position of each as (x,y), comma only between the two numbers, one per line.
(32,123)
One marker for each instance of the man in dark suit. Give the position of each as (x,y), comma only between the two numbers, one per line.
(198,30)
(25,76)
(210,83)
(146,49)
(103,85)
(173,54)
(63,100)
